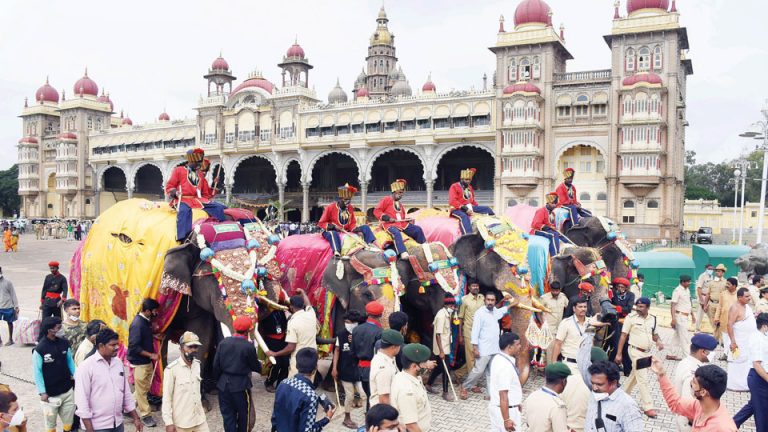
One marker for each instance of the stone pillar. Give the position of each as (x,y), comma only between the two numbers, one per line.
(281,199)
(97,202)
(430,191)
(228,192)
(129,189)
(364,197)
(305,202)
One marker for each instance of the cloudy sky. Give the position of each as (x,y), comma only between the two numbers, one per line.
(151,55)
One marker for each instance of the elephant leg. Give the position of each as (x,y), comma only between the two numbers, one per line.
(524,360)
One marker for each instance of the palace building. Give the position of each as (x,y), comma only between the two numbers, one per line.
(621,128)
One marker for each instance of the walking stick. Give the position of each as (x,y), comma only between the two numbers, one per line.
(336,386)
(450,381)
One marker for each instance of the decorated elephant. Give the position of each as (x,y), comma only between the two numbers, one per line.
(602,234)
(578,264)
(754,261)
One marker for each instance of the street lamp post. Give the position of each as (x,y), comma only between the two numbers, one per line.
(736,174)
(743,209)
(761,134)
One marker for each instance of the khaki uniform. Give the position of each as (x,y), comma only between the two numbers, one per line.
(409,397)
(442,327)
(302,330)
(557,306)
(700,282)
(469,305)
(714,288)
(576,394)
(544,411)
(681,297)
(640,333)
(182,405)
(383,370)
(762,306)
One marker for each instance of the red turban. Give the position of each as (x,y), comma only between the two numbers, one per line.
(586,286)
(621,281)
(374,308)
(53,264)
(242,324)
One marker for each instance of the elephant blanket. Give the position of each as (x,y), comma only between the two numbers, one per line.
(121,263)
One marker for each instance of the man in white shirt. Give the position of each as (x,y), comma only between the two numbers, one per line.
(485,341)
(701,345)
(681,311)
(504,386)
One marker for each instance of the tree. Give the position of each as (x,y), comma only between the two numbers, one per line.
(9,191)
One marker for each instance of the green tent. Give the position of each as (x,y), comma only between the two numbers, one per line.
(717,254)
(662,271)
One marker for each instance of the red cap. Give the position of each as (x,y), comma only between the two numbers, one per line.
(242,324)
(586,286)
(53,264)
(374,308)
(621,281)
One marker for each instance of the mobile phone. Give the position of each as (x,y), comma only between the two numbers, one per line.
(644,363)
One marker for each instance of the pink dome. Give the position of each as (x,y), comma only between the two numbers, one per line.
(255,80)
(85,85)
(645,77)
(532,11)
(521,87)
(636,5)
(220,64)
(429,86)
(164,116)
(127,121)
(295,51)
(67,136)
(47,93)
(362,92)
(28,140)
(104,98)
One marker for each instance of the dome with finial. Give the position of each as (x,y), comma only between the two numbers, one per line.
(86,86)
(382,35)
(337,94)
(127,121)
(46,93)
(164,116)
(255,79)
(220,64)
(362,92)
(401,88)
(28,140)
(104,98)
(428,86)
(521,87)
(295,51)
(647,6)
(533,12)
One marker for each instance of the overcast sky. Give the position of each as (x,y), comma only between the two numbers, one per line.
(152,54)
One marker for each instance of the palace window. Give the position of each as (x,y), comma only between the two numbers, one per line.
(483,120)
(599,166)
(357,128)
(584,196)
(644,59)
(628,219)
(209,138)
(229,137)
(564,112)
(536,68)
(629,60)
(441,123)
(581,110)
(342,130)
(658,58)
(525,69)
(602,196)
(512,70)
(390,126)
(653,204)
(460,122)
(629,204)
(507,112)
(599,110)
(424,124)
(585,167)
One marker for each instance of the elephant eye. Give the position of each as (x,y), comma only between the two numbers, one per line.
(122,237)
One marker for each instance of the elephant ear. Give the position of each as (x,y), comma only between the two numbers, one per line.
(178,268)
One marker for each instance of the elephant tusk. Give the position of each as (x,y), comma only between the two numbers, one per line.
(225,330)
(537,304)
(271,303)
(526,307)
(261,344)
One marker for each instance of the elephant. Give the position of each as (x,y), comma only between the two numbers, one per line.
(754,261)
(589,232)
(565,269)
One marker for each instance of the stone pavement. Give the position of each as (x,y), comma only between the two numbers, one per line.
(27,268)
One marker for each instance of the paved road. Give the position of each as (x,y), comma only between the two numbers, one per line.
(27,268)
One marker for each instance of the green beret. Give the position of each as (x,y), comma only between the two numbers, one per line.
(557,370)
(416,352)
(392,337)
(598,354)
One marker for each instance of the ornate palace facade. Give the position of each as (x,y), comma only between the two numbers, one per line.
(622,129)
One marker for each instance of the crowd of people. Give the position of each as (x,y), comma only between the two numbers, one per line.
(59,229)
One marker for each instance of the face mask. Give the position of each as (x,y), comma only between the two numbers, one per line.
(74,318)
(190,356)
(60,333)
(17,418)
(711,357)
(710,272)
(350,326)
(599,396)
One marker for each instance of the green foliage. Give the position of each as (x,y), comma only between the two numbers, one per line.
(715,181)
(10,202)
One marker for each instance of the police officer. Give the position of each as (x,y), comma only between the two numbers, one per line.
(384,367)
(235,360)
(543,409)
(409,396)
(364,339)
(711,291)
(639,331)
